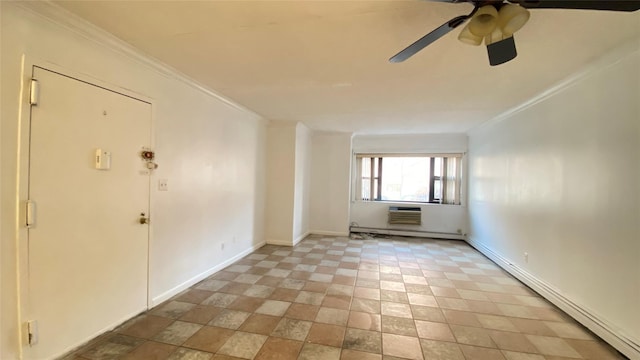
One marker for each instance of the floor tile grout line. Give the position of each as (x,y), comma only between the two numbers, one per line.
(397,258)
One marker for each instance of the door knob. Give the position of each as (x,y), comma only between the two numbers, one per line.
(143,219)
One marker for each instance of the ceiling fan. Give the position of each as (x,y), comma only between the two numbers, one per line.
(495,22)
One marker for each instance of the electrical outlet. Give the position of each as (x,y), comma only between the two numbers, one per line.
(526,257)
(163,185)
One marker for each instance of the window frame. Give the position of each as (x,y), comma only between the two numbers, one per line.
(432,180)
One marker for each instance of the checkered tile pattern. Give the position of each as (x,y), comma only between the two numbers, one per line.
(337,298)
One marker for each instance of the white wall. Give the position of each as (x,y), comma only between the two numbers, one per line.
(330,183)
(288,182)
(301,197)
(436,219)
(417,143)
(440,220)
(281,147)
(560,179)
(211,151)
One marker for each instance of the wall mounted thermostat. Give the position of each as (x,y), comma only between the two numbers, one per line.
(103,159)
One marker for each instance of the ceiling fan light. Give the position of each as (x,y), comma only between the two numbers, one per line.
(495,36)
(484,21)
(468,38)
(502,51)
(512,18)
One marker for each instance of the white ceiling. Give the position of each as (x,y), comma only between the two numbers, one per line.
(325,62)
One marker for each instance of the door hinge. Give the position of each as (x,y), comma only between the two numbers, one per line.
(32,332)
(30,213)
(34,92)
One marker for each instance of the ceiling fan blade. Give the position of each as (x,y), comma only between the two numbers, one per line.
(613,5)
(429,38)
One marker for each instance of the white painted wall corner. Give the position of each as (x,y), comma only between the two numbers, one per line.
(300,238)
(278,242)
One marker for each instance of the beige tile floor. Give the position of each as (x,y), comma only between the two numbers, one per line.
(337,298)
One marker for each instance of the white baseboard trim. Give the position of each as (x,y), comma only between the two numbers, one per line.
(329,233)
(94,335)
(402,232)
(279,242)
(621,342)
(300,238)
(185,285)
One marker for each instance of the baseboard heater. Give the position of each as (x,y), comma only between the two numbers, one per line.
(407,232)
(600,326)
(405,215)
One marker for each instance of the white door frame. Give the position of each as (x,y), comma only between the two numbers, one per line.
(22,191)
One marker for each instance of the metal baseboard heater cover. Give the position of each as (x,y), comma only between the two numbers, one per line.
(405,215)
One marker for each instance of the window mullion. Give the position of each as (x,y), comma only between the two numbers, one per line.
(444,183)
(371,179)
(379,197)
(432,179)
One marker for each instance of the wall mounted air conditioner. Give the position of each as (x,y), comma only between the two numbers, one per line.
(405,215)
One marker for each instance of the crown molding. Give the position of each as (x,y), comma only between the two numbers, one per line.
(604,62)
(74,23)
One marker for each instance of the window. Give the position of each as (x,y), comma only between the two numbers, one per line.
(428,178)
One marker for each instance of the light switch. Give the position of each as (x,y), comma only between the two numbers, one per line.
(103,159)
(32,329)
(163,185)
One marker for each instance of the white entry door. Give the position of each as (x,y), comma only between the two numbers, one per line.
(88,251)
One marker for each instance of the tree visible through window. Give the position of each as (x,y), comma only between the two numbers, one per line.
(410,178)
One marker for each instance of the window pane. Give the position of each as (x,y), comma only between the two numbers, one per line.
(375,190)
(437,171)
(375,168)
(365,189)
(366,181)
(437,190)
(405,179)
